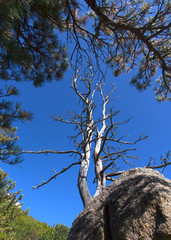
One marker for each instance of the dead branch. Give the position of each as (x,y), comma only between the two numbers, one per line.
(117,152)
(113,174)
(159,166)
(55,175)
(127,143)
(44,152)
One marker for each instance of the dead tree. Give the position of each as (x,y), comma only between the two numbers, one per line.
(96,137)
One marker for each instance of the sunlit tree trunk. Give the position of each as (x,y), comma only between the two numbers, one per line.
(82,182)
(85,161)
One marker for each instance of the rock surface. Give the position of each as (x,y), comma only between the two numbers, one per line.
(136,206)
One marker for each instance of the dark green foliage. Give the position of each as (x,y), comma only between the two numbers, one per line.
(124,34)
(29,47)
(137,36)
(9,112)
(127,35)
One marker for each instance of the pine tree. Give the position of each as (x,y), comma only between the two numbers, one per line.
(125,35)
(10,207)
(10,112)
(29,47)
(60,232)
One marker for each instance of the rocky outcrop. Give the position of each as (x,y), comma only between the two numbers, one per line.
(136,206)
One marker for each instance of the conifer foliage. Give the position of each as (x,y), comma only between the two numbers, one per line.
(127,35)
(10,112)
(123,34)
(9,203)
(29,47)
(16,224)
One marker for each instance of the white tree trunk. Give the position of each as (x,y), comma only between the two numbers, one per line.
(82,183)
(101,181)
(82,178)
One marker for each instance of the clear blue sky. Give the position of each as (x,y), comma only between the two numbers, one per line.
(59,201)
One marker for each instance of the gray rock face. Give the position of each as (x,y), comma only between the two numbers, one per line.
(136,206)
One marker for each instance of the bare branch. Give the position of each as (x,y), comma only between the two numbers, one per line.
(60,119)
(125,34)
(55,175)
(159,166)
(129,143)
(108,156)
(45,152)
(152,167)
(110,179)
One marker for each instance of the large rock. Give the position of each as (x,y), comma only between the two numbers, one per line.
(136,206)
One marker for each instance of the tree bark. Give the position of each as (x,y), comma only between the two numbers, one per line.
(101,181)
(82,183)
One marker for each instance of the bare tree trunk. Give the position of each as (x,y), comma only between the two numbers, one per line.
(82,177)
(101,181)
(82,182)
(87,135)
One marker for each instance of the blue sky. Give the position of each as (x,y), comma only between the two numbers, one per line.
(59,201)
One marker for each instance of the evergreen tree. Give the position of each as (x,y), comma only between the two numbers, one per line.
(9,204)
(29,47)
(16,224)
(9,112)
(26,227)
(58,232)
(123,34)
(126,35)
